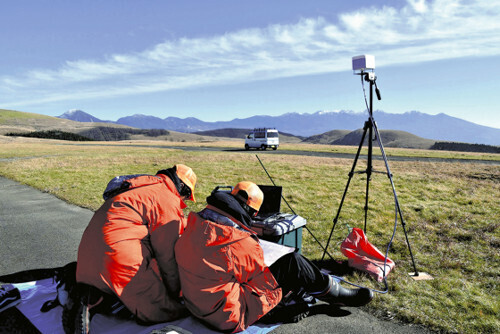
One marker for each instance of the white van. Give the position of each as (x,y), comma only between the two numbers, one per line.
(262,138)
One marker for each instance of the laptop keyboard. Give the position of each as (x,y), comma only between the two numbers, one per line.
(265,217)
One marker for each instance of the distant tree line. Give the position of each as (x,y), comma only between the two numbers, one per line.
(101,133)
(464,147)
(228,132)
(50,134)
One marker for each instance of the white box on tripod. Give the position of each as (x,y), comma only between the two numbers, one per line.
(363,62)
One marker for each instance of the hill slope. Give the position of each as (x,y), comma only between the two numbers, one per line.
(12,121)
(327,137)
(15,121)
(390,138)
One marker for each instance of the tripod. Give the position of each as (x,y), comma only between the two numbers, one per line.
(371,128)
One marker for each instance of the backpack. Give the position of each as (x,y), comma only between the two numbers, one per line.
(118,185)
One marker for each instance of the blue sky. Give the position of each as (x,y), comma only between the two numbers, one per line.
(226,59)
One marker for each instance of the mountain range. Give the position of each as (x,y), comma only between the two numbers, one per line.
(436,127)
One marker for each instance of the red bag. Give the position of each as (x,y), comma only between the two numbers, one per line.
(364,256)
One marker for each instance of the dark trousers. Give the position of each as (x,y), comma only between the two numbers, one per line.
(294,272)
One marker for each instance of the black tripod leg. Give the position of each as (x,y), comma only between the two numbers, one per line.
(407,241)
(369,168)
(351,174)
(389,174)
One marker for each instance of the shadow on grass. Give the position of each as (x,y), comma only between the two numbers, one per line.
(334,267)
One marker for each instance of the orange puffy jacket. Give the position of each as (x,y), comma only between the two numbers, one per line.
(128,248)
(223,276)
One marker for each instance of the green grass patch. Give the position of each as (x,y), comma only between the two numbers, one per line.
(451,212)
(7,115)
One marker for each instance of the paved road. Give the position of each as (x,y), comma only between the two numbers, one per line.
(40,231)
(37,230)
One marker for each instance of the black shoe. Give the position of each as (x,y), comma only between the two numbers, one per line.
(286,314)
(293,308)
(9,298)
(298,312)
(337,295)
(353,297)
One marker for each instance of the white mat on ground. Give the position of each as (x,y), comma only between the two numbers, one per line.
(34,294)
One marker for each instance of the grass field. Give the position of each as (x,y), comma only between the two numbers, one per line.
(451,212)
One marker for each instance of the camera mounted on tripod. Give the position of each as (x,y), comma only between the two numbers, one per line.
(364,65)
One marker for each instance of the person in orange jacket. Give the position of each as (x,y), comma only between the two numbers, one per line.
(224,279)
(127,250)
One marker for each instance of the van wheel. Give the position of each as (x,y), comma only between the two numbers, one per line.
(275,148)
(247,147)
(263,147)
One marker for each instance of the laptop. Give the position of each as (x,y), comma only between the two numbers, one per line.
(271,204)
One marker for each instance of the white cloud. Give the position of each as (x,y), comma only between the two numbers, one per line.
(418,6)
(421,31)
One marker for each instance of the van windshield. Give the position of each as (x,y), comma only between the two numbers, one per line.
(272,135)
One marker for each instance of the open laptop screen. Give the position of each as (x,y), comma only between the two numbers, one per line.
(272,201)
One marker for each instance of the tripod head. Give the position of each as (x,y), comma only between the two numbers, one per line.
(372,79)
(364,66)
(369,76)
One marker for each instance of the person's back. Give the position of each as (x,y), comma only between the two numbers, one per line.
(225,280)
(127,248)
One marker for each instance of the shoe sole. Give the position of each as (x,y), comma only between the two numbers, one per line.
(83,320)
